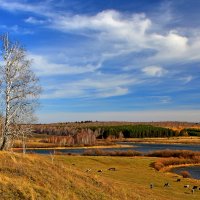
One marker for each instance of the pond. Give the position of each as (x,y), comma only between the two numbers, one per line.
(147,147)
(144,148)
(193,170)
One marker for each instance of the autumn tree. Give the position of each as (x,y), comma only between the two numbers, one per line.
(19,92)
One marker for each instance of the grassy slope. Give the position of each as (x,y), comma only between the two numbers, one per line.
(36,177)
(136,175)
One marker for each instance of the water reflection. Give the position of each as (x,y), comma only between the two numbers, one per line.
(144,148)
(193,170)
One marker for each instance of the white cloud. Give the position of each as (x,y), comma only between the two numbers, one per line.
(63,92)
(118,32)
(116,91)
(15,6)
(186,79)
(97,86)
(122,33)
(15,29)
(154,71)
(165,100)
(43,67)
(112,34)
(33,20)
(170,46)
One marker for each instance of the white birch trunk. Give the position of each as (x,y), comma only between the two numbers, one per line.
(18,90)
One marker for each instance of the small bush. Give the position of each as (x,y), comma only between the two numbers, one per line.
(164,162)
(99,152)
(158,165)
(185,174)
(174,153)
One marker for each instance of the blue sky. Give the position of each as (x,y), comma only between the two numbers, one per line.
(111,60)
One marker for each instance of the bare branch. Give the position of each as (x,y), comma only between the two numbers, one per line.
(19,91)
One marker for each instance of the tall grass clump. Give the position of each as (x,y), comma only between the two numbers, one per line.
(174,157)
(185,174)
(100,152)
(174,153)
(166,162)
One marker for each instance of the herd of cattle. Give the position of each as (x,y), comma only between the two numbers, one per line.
(193,188)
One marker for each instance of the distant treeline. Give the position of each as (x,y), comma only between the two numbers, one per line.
(133,131)
(190,132)
(104,132)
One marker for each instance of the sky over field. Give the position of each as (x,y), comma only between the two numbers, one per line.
(130,60)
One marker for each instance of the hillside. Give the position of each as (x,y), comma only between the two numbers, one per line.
(36,177)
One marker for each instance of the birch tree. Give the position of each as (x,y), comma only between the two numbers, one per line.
(19,92)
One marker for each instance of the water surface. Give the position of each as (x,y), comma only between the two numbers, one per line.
(193,170)
(144,148)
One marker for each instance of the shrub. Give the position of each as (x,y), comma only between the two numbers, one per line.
(174,153)
(164,162)
(185,174)
(158,165)
(100,152)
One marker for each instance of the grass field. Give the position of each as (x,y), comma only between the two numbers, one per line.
(65,177)
(134,175)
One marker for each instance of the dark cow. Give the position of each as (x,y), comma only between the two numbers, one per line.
(178,180)
(112,169)
(166,185)
(192,191)
(195,187)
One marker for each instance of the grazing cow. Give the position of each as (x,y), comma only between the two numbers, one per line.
(151,186)
(166,185)
(100,170)
(192,191)
(73,164)
(88,170)
(195,187)
(186,186)
(178,180)
(112,169)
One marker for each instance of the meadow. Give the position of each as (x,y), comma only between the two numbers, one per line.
(77,177)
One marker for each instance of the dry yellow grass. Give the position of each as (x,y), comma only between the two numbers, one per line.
(171,140)
(136,174)
(38,177)
(42,177)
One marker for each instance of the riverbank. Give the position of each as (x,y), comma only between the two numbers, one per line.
(143,148)
(78,147)
(36,143)
(190,171)
(169,168)
(170,160)
(170,140)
